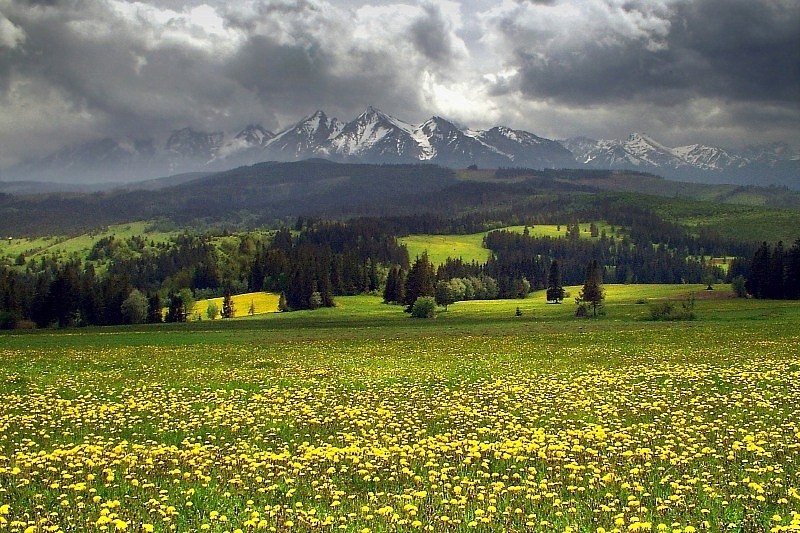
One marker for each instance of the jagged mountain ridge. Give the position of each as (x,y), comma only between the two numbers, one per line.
(376,137)
(765,165)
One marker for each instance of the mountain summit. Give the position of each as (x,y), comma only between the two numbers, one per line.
(377,137)
(696,162)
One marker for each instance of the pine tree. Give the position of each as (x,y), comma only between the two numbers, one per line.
(792,281)
(176,312)
(394,292)
(420,280)
(555,292)
(758,281)
(390,290)
(154,313)
(228,309)
(592,292)
(775,289)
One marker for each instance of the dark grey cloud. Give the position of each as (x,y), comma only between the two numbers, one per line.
(301,78)
(732,49)
(72,70)
(108,69)
(740,49)
(430,35)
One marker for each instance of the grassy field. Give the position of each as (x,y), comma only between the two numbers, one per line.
(67,247)
(360,418)
(470,247)
(737,222)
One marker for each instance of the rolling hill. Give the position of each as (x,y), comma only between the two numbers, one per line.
(272,194)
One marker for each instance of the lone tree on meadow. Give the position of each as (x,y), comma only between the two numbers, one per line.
(592,293)
(228,309)
(555,292)
(420,281)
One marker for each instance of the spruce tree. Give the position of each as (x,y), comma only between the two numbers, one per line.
(420,280)
(775,289)
(555,292)
(792,280)
(390,290)
(176,312)
(592,291)
(758,281)
(228,309)
(154,312)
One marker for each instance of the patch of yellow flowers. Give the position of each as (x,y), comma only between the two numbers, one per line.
(463,435)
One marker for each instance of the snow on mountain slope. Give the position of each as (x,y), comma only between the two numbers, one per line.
(376,137)
(526,149)
(308,138)
(763,165)
(708,157)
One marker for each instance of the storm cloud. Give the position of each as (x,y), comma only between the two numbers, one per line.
(714,71)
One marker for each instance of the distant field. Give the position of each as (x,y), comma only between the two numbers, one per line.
(439,247)
(362,419)
(737,222)
(752,225)
(470,247)
(66,247)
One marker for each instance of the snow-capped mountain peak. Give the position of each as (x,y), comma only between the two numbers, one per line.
(254,135)
(307,138)
(374,135)
(377,137)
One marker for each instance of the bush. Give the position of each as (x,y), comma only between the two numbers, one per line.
(424,307)
(738,287)
(669,311)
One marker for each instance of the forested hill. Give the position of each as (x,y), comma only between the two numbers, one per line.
(274,194)
(266,193)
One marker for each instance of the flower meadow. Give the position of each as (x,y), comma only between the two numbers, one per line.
(650,428)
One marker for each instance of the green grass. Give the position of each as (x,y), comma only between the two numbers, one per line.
(747,223)
(361,417)
(470,247)
(64,247)
(439,247)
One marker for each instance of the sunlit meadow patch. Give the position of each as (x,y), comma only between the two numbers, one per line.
(642,430)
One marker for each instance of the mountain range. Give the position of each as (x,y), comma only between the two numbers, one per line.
(376,137)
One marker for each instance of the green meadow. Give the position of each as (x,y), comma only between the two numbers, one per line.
(360,418)
(66,247)
(470,247)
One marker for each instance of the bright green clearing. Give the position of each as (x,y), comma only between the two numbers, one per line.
(470,247)
(439,247)
(359,418)
(76,247)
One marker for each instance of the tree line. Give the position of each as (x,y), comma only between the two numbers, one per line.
(773,273)
(151,282)
(137,280)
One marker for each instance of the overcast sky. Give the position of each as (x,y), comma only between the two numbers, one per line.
(723,72)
